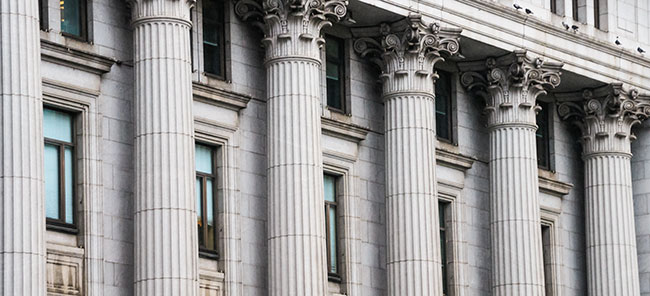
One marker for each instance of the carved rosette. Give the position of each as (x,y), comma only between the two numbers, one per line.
(510,85)
(291,27)
(606,116)
(154,10)
(406,53)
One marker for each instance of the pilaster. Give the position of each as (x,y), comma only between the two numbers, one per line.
(296,227)
(510,85)
(606,116)
(166,250)
(22,212)
(406,54)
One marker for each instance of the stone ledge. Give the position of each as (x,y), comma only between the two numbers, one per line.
(220,97)
(448,155)
(550,185)
(345,131)
(74,58)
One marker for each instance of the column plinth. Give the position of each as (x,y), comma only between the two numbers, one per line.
(166,246)
(605,117)
(22,212)
(406,59)
(296,221)
(510,86)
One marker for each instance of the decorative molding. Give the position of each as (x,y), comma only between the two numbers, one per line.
(78,59)
(453,160)
(605,116)
(346,131)
(220,97)
(554,187)
(510,84)
(161,10)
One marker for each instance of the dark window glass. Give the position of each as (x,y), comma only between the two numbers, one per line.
(546,252)
(213,37)
(335,71)
(597,14)
(442,207)
(42,14)
(576,15)
(331,226)
(542,136)
(73,17)
(443,106)
(206,198)
(554,6)
(59,168)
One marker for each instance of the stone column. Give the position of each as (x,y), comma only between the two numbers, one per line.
(510,86)
(296,227)
(166,246)
(605,117)
(22,212)
(406,55)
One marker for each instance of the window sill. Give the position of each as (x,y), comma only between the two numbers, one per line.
(66,51)
(61,227)
(335,278)
(206,254)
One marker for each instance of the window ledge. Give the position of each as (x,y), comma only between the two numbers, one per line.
(346,131)
(220,97)
(549,183)
(449,156)
(75,58)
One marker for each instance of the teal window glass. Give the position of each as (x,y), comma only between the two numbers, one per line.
(442,206)
(335,72)
(206,195)
(72,17)
(443,106)
(59,163)
(213,37)
(331,225)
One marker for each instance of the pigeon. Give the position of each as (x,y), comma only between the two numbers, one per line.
(640,50)
(528,11)
(575,28)
(566,26)
(617,42)
(516,6)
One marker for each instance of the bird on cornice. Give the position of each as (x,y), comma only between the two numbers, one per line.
(516,6)
(528,11)
(640,50)
(617,42)
(566,26)
(575,28)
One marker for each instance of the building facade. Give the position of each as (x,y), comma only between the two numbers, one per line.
(325,147)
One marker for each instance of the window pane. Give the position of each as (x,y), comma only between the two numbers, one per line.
(330,188)
(203,155)
(334,69)
(57,125)
(542,137)
(213,36)
(69,185)
(211,223)
(443,245)
(71,16)
(51,158)
(332,242)
(199,207)
(443,105)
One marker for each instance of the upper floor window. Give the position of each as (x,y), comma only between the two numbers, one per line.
(442,207)
(42,14)
(335,72)
(331,218)
(213,38)
(73,18)
(206,199)
(59,160)
(543,137)
(443,106)
(557,7)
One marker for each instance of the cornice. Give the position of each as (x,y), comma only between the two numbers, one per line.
(453,159)
(220,97)
(554,187)
(86,61)
(345,131)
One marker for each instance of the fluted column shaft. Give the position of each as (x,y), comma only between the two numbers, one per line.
(166,250)
(510,86)
(22,212)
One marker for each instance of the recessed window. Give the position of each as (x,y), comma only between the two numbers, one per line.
(443,107)
(557,7)
(59,160)
(576,13)
(597,7)
(546,256)
(442,207)
(543,138)
(42,14)
(335,72)
(213,37)
(331,219)
(73,17)
(206,199)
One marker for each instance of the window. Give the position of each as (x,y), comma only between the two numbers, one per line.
(546,256)
(42,14)
(442,207)
(576,15)
(542,137)
(557,7)
(213,38)
(443,106)
(59,160)
(335,72)
(73,18)
(554,6)
(331,218)
(597,14)
(206,199)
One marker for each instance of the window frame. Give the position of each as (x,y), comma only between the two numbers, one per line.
(203,250)
(222,40)
(197,51)
(450,108)
(443,208)
(83,23)
(331,276)
(341,62)
(60,224)
(43,16)
(547,128)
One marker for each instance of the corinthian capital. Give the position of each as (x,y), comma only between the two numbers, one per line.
(605,116)
(407,51)
(510,85)
(143,10)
